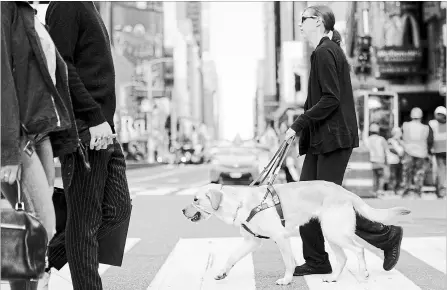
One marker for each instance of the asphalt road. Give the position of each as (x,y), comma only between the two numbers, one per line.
(159,224)
(166,251)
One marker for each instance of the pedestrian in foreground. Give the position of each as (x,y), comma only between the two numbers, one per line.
(37,120)
(98,199)
(328,133)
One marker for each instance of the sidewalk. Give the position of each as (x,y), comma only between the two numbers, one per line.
(425,195)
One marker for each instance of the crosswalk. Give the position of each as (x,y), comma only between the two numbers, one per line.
(193,263)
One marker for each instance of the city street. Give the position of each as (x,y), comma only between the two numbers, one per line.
(166,251)
(180,82)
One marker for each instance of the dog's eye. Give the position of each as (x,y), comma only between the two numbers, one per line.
(196,199)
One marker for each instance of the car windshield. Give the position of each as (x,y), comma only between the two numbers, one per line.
(235,151)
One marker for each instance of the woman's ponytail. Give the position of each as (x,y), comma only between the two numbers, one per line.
(336,37)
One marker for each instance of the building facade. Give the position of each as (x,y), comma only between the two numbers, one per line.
(407,54)
(193,91)
(283,73)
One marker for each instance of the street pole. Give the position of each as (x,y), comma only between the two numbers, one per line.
(173,116)
(172,106)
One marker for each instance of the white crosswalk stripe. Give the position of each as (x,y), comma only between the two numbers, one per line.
(61,280)
(189,189)
(193,263)
(435,257)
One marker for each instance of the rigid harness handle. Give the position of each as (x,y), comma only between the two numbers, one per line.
(275,163)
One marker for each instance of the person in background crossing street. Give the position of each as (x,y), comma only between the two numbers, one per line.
(418,141)
(438,126)
(328,133)
(395,154)
(98,200)
(378,151)
(270,139)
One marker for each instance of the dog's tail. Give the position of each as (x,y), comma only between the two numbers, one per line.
(375,214)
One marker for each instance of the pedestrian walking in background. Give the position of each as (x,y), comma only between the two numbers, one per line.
(378,151)
(418,141)
(438,126)
(270,139)
(37,120)
(395,154)
(328,133)
(98,199)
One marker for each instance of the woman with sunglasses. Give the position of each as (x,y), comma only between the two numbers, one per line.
(328,133)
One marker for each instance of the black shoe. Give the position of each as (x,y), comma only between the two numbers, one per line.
(305,269)
(391,255)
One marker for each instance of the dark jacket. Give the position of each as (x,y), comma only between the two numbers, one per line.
(29,96)
(329,121)
(81,37)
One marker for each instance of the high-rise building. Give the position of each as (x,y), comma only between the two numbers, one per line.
(282,89)
(187,36)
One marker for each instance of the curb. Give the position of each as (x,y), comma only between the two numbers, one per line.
(129,166)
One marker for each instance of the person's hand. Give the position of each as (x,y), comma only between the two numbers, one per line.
(101,136)
(9,173)
(290,133)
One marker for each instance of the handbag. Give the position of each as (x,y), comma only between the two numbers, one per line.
(23,243)
(111,246)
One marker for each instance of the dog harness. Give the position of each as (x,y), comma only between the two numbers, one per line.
(264,206)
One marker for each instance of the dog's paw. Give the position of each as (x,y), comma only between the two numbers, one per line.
(221,276)
(283,281)
(330,278)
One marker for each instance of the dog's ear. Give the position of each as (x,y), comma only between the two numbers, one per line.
(215,197)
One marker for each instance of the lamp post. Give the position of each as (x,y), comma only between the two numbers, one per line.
(172,106)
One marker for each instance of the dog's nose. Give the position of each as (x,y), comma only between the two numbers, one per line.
(183,211)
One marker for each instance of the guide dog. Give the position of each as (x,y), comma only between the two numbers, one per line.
(331,204)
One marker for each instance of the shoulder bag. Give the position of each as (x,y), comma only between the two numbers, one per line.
(23,243)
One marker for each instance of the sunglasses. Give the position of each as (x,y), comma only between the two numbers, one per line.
(304,18)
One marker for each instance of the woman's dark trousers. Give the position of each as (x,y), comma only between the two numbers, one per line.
(331,167)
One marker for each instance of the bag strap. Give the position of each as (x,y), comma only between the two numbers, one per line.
(19,204)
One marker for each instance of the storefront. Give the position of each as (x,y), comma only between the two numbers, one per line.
(137,37)
(407,53)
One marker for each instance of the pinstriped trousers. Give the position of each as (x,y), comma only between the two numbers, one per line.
(97,203)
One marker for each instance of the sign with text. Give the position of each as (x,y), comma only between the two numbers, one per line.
(399,61)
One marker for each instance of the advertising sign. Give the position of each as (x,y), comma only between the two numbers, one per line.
(402,52)
(399,61)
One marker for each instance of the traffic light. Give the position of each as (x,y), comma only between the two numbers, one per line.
(364,55)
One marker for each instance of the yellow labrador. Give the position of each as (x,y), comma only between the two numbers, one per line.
(332,204)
